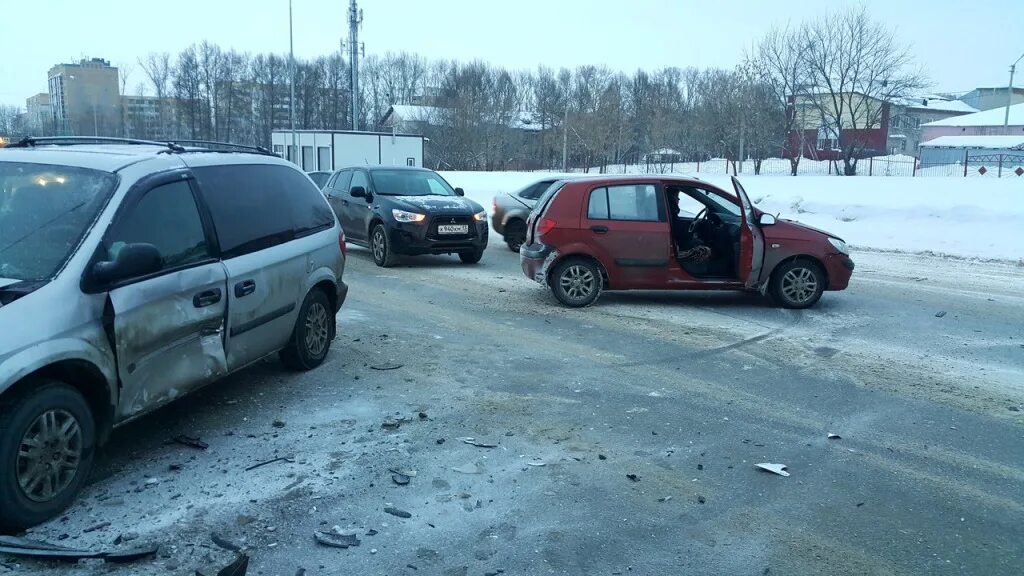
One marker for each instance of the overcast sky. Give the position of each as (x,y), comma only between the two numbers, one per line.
(961,43)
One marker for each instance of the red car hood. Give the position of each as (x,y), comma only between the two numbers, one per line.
(792,229)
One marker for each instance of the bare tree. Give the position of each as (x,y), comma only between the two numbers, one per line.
(855,68)
(10,124)
(157,67)
(780,64)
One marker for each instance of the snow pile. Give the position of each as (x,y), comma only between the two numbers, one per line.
(975,218)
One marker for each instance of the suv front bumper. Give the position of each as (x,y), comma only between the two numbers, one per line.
(417,239)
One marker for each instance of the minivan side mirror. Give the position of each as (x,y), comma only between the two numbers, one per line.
(766,219)
(460,192)
(133,260)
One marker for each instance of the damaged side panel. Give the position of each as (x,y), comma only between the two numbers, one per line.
(169,334)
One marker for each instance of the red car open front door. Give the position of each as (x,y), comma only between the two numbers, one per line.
(751,240)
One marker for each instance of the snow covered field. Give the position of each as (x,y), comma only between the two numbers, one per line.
(973,218)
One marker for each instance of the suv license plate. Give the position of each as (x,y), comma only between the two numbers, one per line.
(453,229)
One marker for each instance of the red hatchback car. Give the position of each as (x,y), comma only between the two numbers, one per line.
(674,233)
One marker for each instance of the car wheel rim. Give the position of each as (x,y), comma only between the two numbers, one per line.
(378,245)
(317,329)
(799,285)
(49,455)
(577,282)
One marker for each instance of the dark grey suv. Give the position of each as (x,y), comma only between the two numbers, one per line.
(132,274)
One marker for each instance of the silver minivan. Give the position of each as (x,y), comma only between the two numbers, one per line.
(133,273)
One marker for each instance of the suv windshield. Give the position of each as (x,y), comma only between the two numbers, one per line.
(44,212)
(409,183)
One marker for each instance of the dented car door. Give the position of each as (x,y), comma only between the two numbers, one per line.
(168,325)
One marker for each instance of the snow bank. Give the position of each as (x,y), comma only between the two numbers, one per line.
(975,218)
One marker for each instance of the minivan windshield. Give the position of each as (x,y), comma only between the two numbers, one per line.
(409,183)
(44,212)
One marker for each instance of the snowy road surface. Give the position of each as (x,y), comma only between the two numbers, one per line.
(686,391)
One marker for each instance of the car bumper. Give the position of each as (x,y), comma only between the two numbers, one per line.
(342,293)
(839,268)
(417,239)
(536,260)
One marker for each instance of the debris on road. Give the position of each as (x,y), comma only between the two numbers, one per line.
(478,443)
(224,542)
(779,469)
(940,314)
(423,415)
(535,463)
(633,477)
(288,459)
(372,532)
(336,538)
(409,473)
(386,367)
(468,469)
(397,512)
(96,527)
(400,479)
(25,548)
(832,436)
(278,423)
(393,423)
(701,499)
(602,457)
(1013,409)
(190,442)
(239,567)
(664,499)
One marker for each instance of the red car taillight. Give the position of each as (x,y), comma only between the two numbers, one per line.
(341,243)
(545,225)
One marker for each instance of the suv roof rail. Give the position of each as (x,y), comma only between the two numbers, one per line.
(31,141)
(212,146)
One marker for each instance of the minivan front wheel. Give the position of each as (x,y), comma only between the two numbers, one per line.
(47,443)
(797,284)
(312,335)
(383,256)
(576,282)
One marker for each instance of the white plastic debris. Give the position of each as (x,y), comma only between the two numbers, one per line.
(779,469)
(834,436)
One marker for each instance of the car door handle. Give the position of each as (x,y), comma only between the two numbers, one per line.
(206,298)
(244,288)
(599,229)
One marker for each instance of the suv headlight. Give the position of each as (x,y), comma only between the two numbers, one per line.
(403,216)
(480,216)
(839,245)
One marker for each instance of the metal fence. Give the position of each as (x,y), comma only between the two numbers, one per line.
(973,164)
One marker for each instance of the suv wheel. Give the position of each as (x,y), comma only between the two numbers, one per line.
(471,257)
(576,282)
(382,254)
(312,335)
(797,284)
(47,440)
(515,234)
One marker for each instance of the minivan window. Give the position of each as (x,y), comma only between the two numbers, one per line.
(167,218)
(256,206)
(45,210)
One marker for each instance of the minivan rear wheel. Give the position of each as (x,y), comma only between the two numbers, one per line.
(797,284)
(312,335)
(576,282)
(47,445)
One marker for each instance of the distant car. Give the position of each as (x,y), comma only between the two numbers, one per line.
(133,274)
(319,178)
(512,210)
(398,210)
(674,233)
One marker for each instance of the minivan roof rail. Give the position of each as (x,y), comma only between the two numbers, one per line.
(212,146)
(175,146)
(31,141)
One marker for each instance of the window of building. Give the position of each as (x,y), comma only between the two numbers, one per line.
(410,161)
(279,150)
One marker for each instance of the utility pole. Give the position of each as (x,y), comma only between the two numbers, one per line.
(1009,93)
(291,102)
(565,136)
(355,18)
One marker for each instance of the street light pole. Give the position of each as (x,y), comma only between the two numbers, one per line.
(291,102)
(1009,93)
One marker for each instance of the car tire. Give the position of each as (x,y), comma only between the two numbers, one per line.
(471,257)
(380,246)
(576,282)
(54,423)
(515,234)
(797,284)
(314,330)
